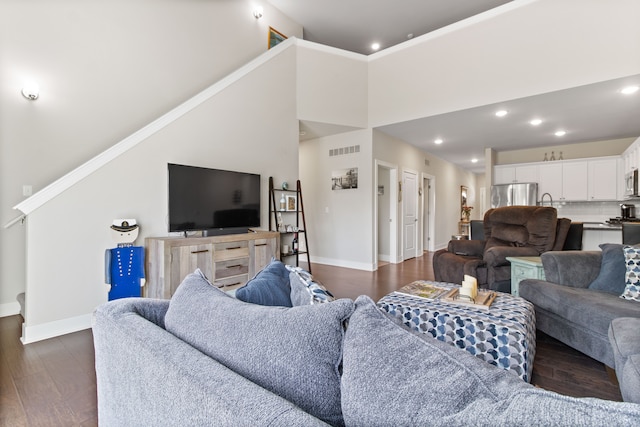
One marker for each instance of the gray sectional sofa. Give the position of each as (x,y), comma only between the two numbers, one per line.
(572,308)
(206,358)
(578,302)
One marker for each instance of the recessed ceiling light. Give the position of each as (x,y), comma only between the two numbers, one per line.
(560,133)
(474,160)
(629,90)
(375,46)
(535,122)
(438,141)
(501,113)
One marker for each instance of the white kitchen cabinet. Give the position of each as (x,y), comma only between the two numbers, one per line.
(592,239)
(575,181)
(603,179)
(631,157)
(509,174)
(592,179)
(550,180)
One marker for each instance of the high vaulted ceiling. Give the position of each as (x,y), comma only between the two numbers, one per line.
(355,24)
(588,113)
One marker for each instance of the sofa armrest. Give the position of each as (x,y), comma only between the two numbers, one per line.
(571,268)
(466,247)
(625,341)
(497,255)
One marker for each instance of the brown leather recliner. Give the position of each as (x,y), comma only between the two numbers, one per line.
(508,231)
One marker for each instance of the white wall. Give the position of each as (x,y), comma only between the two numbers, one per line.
(524,48)
(613,147)
(105,68)
(339,222)
(66,265)
(448,178)
(332,86)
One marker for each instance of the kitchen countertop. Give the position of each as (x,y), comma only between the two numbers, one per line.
(601,226)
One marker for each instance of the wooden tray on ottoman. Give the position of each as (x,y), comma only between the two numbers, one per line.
(482,301)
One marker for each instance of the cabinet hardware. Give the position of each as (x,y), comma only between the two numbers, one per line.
(200,251)
(234,266)
(222,285)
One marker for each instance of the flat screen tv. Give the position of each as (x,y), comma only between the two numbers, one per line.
(212,200)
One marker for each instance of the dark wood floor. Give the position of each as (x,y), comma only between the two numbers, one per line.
(52,382)
(47,383)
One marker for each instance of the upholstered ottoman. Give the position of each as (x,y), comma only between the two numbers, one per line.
(503,335)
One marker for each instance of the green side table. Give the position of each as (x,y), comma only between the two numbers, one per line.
(526,267)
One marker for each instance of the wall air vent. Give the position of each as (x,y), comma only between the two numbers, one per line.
(344,150)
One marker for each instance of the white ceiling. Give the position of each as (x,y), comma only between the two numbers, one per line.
(355,24)
(588,113)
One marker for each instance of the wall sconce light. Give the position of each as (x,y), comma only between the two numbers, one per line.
(31,91)
(258,11)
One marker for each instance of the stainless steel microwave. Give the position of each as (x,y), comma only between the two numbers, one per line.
(631,184)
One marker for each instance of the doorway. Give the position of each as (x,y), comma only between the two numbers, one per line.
(386,212)
(428,203)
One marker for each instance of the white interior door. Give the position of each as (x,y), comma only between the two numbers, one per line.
(409,214)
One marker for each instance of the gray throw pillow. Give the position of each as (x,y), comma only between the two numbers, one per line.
(293,352)
(393,376)
(611,277)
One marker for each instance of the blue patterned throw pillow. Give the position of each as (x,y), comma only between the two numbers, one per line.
(305,290)
(632,277)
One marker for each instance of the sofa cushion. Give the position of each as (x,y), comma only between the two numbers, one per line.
(305,290)
(611,277)
(397,377)
(269,287)
(148,377)
(632,275)
(591,310)
(293,352)
(624,336)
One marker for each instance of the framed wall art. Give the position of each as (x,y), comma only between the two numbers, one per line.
(344,179)
(275,37)
(292,203)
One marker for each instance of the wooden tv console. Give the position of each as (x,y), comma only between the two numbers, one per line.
(228,260)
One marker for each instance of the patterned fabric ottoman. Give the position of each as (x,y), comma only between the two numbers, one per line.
(504,335)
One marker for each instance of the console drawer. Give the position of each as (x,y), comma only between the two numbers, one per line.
(230,250)
(231,267)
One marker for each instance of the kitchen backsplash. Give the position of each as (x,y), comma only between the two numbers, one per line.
(589,211)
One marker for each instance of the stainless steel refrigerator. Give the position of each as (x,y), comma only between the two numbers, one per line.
(520,194)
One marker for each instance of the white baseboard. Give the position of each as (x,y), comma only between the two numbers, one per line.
(342,263)
(48,330)
(383,257)
(9,309)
